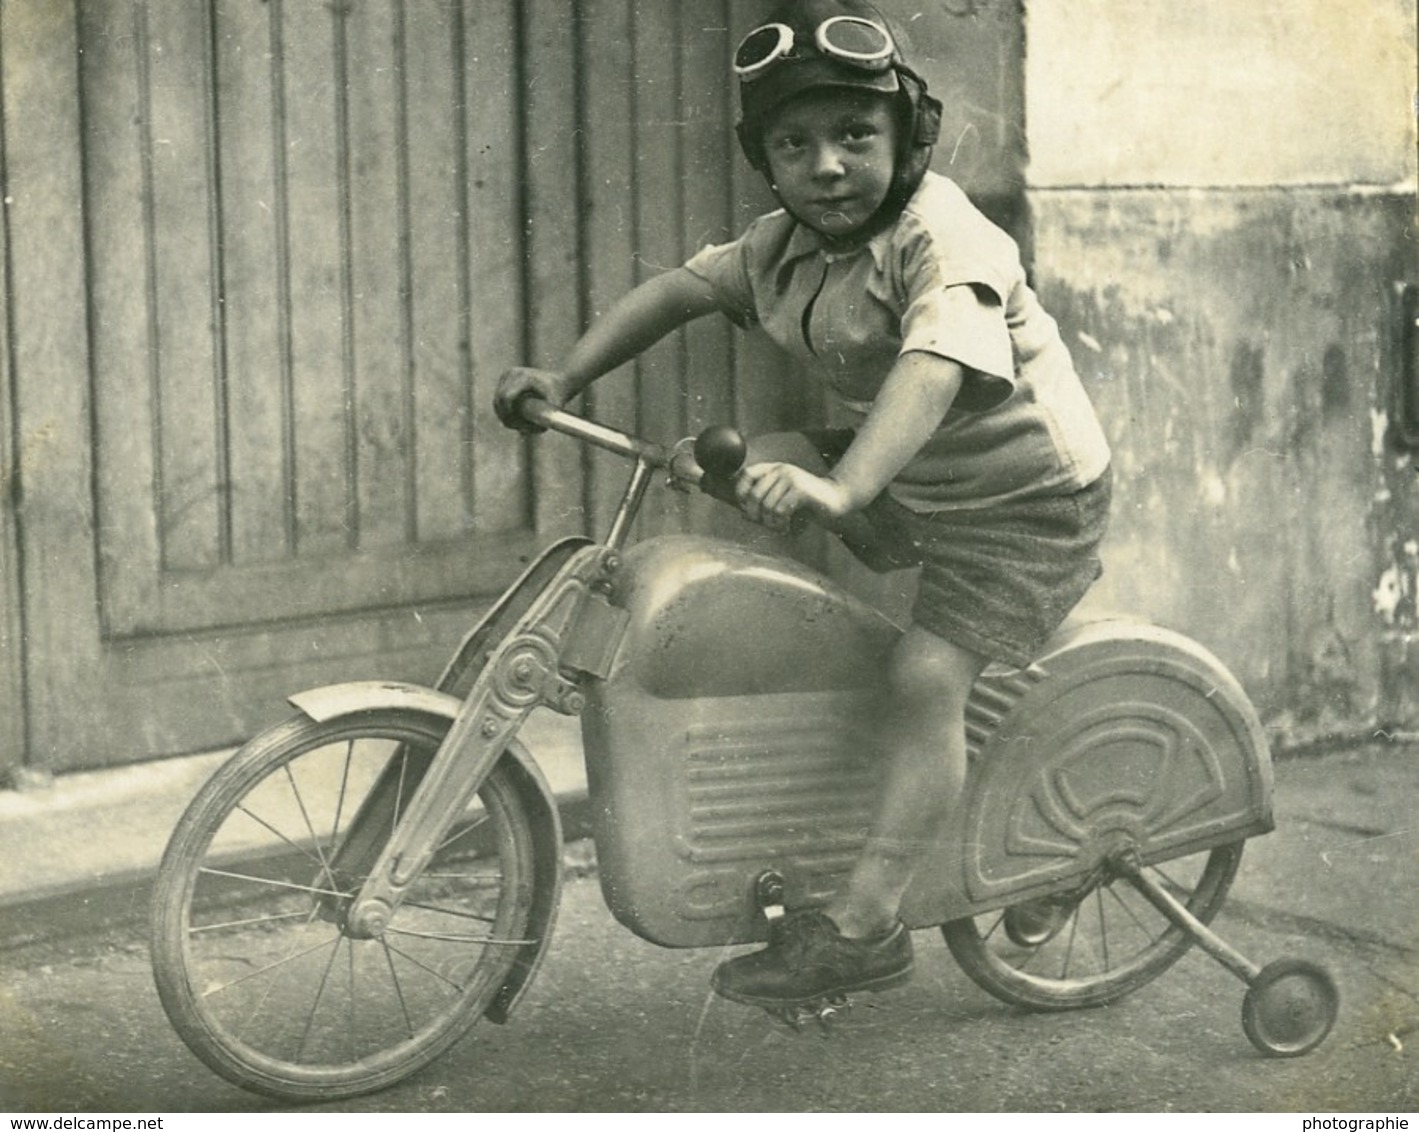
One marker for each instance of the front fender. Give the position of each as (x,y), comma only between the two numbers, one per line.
(335,700)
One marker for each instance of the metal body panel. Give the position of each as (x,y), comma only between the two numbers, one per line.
(735,733)
(1123,739)
(731,734)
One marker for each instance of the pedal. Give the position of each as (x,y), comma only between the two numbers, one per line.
(828,1012)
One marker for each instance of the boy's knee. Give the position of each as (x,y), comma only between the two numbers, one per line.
(930,671)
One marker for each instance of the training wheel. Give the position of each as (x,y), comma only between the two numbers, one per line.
(1290,1007)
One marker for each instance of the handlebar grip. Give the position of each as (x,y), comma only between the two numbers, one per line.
(720,452)
(530,408)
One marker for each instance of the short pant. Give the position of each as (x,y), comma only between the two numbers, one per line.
(996,580)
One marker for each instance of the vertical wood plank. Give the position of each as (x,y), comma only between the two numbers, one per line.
(659,193)
(610,199)
(492,302)
(707,134)
(50,360)
(254,289)
(315,202)
(12,655)
(121,315)
(711,153)
(761,384)
(179,183)
(435,153)
(550,124)
(379,275)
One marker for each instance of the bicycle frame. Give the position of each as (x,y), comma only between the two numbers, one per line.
(568,627)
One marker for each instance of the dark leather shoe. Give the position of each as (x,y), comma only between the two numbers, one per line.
(809,958)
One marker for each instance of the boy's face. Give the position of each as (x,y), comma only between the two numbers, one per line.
(831,155)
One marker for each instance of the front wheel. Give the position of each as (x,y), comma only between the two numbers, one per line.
(1095,946)
(250,954)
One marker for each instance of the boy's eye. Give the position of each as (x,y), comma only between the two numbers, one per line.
(786,143)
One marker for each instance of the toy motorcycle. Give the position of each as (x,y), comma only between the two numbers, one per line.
(358,886)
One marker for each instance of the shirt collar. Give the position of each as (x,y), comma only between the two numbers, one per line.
(804,241)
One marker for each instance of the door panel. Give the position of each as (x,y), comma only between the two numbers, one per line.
(281,272)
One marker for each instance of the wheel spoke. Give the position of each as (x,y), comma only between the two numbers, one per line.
(464,832)
(340,798)
(275,883)
(448,937)
(482,880)
(459,913)
(210,991)
(319,994)
(305,817)
(398,986)
(389,947)
(314,858)
(272,919)
(1132,915)
(399,794)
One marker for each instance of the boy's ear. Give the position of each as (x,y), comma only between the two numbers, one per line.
(928,119)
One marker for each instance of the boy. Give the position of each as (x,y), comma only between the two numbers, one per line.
(975,453)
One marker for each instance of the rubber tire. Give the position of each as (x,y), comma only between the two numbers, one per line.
(176,877)
(1018,988)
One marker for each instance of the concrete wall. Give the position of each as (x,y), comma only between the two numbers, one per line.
(1222,200)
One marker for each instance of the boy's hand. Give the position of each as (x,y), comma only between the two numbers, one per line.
(771,493)
(522,381)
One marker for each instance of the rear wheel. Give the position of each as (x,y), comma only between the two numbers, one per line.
(1094,947)
(251,957)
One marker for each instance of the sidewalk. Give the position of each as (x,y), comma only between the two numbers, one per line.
(1342,865)
(86,847)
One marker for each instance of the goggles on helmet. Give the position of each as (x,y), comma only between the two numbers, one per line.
(853,40)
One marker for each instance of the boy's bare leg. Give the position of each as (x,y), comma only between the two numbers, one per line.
(924,742)
(857,942)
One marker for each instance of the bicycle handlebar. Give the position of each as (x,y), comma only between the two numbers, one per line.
(711,465)
(717,455)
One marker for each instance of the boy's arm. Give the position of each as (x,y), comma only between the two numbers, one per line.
(636,321)
(909,407)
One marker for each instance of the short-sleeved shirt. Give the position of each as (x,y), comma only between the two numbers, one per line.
(944,280)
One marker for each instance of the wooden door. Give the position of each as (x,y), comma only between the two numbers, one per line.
(301,241)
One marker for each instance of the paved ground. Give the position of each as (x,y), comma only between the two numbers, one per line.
(615,1024)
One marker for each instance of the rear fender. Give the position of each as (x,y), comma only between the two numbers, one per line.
(324,704)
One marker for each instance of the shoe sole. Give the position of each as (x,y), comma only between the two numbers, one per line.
(881,983)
